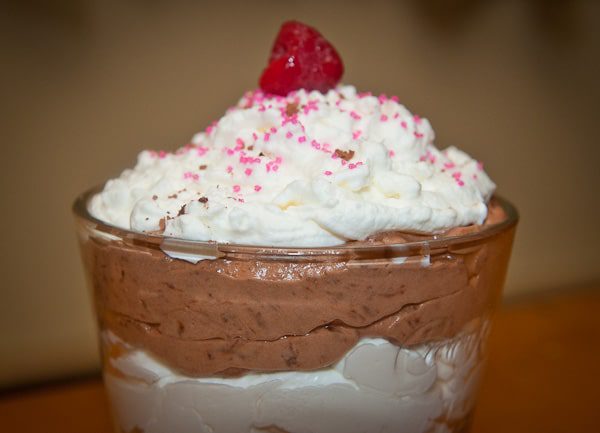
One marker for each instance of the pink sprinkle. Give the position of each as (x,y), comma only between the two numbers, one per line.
(392,153)
(210,128)
(351,166)
(396,115)
(266,136)
(248,160)
(289,134)
(383,118)
(403,124)
(344,162)
(230,152)
(254,136)
(315,144)
(328,173)
(417,119)
(457,175)
(449,165)
(394,99)
(257,188)
(310,105)
(162,154)
(278,160)
(248,171)
(356,134)
(275,167)
(460,182)
(382,98)
(202,150)
(301,139)
(190,175)
(355,115)
(239,144)
(418,134)
(229,169)
(479,165)
(474,176)
(273,129)
(236,188)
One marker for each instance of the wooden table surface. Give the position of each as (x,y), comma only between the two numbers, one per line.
(543,375)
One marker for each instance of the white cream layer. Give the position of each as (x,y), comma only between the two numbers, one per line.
(377,387)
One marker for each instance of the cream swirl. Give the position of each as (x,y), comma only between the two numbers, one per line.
(308,169)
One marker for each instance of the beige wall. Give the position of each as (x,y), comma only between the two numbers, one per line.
(88,84)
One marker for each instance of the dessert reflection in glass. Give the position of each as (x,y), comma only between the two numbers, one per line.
(311,262)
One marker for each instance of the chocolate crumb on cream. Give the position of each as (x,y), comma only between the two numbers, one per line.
(346,155)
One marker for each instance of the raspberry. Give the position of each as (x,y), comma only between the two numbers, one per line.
(301,58)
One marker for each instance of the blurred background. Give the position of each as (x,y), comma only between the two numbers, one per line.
(87,84)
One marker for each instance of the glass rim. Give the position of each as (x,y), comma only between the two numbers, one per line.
(213,249)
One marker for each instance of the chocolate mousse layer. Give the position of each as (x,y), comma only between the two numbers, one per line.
(229,316)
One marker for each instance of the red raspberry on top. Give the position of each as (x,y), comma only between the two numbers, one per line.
(301,58)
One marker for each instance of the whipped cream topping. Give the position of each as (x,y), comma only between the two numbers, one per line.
(308,169)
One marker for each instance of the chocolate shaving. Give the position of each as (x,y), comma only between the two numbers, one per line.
(251,147)
(181,211)
(162,224)
(202,167)
(291,109)
(203,199)
(261,154)
(173,196)
(346,155)
(154,197)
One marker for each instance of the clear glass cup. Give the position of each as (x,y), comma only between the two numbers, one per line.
(224,338)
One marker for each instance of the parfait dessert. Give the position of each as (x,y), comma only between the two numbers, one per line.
(310,262)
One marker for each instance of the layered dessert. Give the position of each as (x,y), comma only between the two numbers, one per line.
(311,262)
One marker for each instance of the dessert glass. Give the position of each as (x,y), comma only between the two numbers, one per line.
(360,337)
